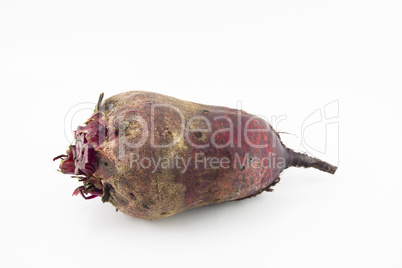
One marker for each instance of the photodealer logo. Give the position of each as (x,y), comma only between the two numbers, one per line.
(132,130)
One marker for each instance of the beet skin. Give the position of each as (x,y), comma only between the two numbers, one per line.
(152,156)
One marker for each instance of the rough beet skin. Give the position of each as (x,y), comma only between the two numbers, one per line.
(152,156)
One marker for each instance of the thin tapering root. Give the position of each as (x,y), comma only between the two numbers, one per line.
(303,160)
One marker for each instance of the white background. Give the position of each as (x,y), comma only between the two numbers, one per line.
(278,57)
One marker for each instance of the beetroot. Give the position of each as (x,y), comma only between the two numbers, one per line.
(152,156)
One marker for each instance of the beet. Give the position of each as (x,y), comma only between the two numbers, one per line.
(152,156)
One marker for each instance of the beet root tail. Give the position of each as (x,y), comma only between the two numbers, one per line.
(303,160)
